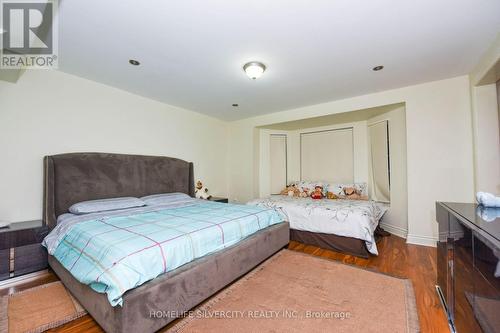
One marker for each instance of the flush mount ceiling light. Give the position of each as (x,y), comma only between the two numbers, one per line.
(134,62)
(254,69)
(378,68)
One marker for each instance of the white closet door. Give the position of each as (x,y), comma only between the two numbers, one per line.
(327,155)
(278,163)
(379,151)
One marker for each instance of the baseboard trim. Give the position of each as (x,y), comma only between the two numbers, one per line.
(395,230)
(421,240)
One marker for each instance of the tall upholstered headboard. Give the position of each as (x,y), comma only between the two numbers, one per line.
(76,177)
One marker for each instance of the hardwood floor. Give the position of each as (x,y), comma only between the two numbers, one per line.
(396,258)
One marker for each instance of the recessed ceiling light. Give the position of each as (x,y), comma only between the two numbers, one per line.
(235,105)
(254,69)
(378,68)
(134,62)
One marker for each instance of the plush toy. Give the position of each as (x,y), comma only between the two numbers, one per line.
(488,200)
(318,192)
(350,191)
(331,195)
(201,192)
(305,192)
(291,191)
(353,194)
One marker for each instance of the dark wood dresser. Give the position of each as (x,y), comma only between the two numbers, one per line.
(21,251)
(468,264)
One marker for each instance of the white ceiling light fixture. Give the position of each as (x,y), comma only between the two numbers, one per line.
(254,69)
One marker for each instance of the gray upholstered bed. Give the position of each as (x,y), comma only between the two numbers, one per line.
(76,177)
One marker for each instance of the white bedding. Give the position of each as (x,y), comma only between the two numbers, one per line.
(349,218)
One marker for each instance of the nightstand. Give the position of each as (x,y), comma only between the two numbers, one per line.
(219,199)
(21,251)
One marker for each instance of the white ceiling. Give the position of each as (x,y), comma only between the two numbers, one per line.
(192,52)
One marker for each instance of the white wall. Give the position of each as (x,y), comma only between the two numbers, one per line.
(439,147)
(50,112)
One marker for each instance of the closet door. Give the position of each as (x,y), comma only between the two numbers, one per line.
(278,163)
(327,155)
(379,161)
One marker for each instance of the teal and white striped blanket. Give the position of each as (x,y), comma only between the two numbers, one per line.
(117,251)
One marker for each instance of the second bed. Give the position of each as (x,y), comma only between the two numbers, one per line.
(341,225)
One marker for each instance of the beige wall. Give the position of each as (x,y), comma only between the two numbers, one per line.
(439,147)
(50,112)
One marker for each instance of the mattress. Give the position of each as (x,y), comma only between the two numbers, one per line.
(348,218)
(120,250)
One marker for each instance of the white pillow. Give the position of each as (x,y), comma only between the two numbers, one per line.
(103,205)
(164,198)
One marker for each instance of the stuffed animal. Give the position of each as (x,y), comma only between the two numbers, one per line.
(488,200)
(353,194)
(201,192)
(305,192)
(331,195)
(318,192)
(291,191)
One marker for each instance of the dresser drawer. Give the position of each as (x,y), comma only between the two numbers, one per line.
(4,264)
(29,258)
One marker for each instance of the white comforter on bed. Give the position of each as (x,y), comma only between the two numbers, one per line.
(349,218)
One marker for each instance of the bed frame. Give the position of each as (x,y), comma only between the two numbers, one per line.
(347,245)
(71,178)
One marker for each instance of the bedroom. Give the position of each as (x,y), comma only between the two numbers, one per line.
(185,94)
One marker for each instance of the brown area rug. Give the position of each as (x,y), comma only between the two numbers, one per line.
(296,292)
(38,309)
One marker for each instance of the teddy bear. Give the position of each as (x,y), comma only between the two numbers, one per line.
(353,194)
(201,192)
(331,195)
(304,193)
(318,192)
(291,191)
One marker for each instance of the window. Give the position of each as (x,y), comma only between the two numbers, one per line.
(278,163)
(327,155)
(380,172)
